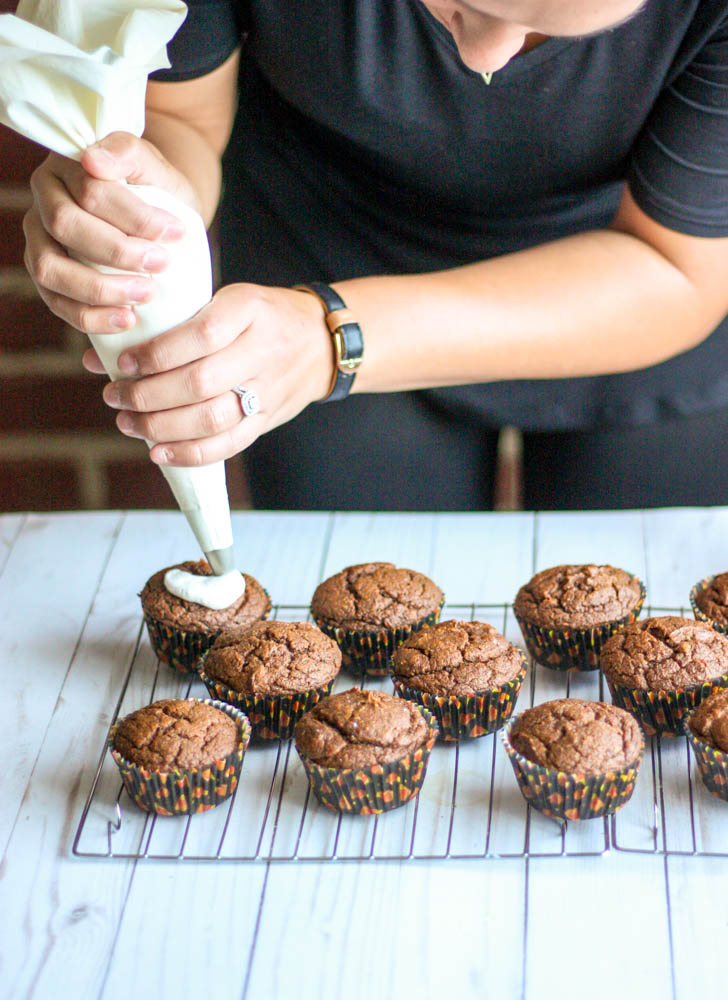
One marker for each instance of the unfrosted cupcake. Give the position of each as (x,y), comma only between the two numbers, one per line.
(180,756)
(574,759)
(707,732)
(371,608)
(662,668)
(709,601)
(566,613)
(365,751)
(274,671)
(466,673)
(181,630)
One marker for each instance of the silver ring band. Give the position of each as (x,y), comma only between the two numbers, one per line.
(249,400)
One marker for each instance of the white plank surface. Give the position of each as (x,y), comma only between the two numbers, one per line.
(111,928)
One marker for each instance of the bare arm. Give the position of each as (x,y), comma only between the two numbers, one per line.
(597,303)
(190,124)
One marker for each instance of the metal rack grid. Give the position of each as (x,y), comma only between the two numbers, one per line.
(469,807)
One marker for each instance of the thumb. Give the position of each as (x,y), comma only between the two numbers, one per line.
(123,156)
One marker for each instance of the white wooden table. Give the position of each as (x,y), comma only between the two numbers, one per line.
(648,918)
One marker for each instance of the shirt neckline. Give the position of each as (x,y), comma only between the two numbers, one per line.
(516,67)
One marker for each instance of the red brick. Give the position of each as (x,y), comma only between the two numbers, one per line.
(137,483)
(18,156)
(8,6)
(54,403)
(12,240)
(26,324)
(38,485)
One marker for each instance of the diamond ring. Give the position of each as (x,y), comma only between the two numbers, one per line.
(249,400)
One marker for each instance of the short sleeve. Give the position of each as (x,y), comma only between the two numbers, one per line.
(209,34)
(679,171)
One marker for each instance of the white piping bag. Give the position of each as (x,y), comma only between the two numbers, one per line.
(71,72)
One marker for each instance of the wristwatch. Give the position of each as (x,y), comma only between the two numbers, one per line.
(346,336)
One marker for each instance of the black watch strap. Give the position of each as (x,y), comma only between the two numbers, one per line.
(346,336)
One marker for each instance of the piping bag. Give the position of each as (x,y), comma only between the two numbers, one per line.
(71,72)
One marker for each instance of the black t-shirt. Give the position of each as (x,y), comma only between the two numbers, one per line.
(363,145)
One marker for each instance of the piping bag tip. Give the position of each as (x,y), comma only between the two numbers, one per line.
(221,560)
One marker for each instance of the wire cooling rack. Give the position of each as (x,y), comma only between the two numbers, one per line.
(469,807)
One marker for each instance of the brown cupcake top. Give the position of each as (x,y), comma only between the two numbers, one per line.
(709,721)
(175,734)
(713,599)
(457,658)
(273,657)
(359,728)
(665,653)
(164,607)
(375,595)
(579,737)
(577,596)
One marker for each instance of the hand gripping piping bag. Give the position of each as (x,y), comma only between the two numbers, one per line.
(71,72)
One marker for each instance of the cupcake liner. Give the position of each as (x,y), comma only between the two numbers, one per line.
(574,648)
(663,712)
(376,789)
(181,649)
(369,653)
(272,717)
(701,615)
(468,716)
(564,796)
(190,790)
(712,763)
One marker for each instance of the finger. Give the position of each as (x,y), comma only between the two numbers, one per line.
(121,155)
(88,319)
(186,385)
(207,450)
(187,423)
(92,362)
(71,287)
(215,327)
(79,225)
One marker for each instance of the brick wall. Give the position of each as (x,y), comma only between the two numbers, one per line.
(59,447)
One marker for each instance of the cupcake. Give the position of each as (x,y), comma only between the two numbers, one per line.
(181,630)
(709,601)
(566,613)
(661,668)
(371,608)
(365,751)
(707,732)
(274,671)
(574,759)
(466,673)
(180,756)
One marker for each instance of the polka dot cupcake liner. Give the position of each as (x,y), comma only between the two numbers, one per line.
(574,649)
(271,717)
(186,791)
(712,763)
(180,649)
(369,653)
(372,790)
(663,712)
(564,796)
(468,716)
(698,612)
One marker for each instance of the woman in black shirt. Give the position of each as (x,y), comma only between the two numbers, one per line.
(523,203)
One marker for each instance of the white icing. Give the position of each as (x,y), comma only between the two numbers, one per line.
(214,592)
